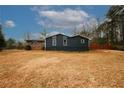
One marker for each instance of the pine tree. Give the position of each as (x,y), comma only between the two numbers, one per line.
(2,40)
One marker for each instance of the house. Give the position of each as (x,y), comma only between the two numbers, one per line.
(63,42)
(35,44)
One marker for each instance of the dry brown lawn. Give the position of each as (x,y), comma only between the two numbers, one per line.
(98,68)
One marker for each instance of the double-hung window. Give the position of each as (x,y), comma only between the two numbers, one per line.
(54,41)
(82,41)
(64,41)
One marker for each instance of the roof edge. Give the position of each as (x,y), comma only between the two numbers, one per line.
(68,36)
(57,34)
(81,36)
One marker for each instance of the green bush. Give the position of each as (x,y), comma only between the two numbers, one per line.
(101,41)
(28,47)
(20,45)
(11,43)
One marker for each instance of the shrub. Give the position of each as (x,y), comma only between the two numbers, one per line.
(11,43)
(101,41)
(20,45)
(28,47)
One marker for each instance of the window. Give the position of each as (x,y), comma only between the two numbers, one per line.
(54,41)
(64,41)
(82,41)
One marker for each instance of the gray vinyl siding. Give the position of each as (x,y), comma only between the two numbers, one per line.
(59,43)
(73,43)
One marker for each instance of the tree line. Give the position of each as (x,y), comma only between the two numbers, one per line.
(9,43)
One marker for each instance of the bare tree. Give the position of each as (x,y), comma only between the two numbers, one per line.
(44,34)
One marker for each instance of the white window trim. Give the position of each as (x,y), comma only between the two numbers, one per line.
(65,43)
(54,43)
(82,41)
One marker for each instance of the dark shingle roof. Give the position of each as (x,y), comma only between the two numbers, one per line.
(69,36)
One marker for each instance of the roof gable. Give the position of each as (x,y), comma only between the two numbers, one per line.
(57,35)
(80,36)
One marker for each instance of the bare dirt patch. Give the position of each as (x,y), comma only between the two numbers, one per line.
(98,68)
